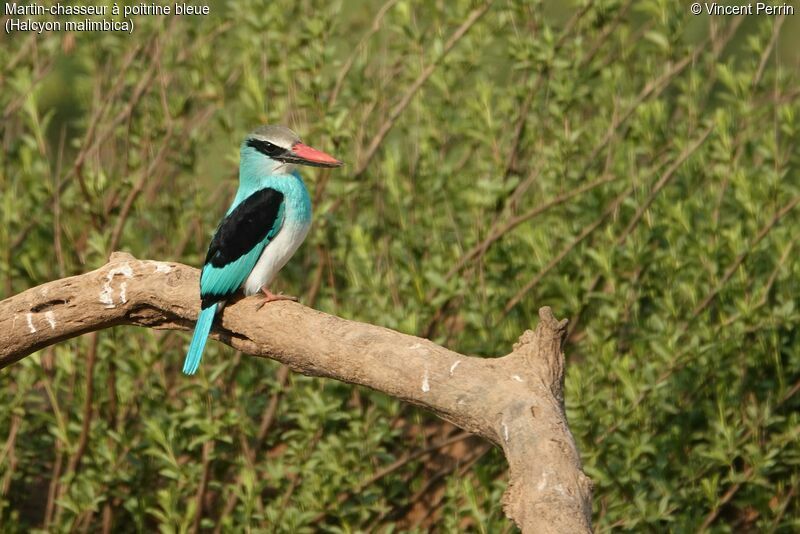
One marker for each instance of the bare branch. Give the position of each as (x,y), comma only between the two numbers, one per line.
(515,401)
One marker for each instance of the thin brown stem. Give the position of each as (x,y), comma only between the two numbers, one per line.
(743,255)
(612,207)
(398,109)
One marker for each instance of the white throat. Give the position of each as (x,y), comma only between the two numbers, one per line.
(280,167)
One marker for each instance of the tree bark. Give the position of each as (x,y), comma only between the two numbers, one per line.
(515,401)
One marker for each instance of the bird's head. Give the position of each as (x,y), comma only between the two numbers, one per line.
(277,149)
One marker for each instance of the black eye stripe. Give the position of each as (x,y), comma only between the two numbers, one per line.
(266,148)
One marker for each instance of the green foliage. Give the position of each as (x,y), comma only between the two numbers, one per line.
(624,162)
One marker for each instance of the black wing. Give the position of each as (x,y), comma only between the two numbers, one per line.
(245,227)
(238,243)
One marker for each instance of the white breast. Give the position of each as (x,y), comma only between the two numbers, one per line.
(275,255)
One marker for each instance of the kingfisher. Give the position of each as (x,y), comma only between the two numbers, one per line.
(266,223)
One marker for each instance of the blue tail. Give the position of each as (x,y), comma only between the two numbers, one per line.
(201,330)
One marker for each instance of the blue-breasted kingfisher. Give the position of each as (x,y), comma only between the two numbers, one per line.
(266,223)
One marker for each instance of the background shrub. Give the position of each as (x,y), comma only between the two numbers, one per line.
(629,164)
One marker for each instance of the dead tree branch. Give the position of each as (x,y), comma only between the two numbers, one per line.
(515,401)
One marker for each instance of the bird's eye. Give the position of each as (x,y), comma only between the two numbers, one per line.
(265,147)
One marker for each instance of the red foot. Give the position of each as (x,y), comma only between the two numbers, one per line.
(269,296)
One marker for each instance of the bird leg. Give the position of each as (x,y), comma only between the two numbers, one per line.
(269,296)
